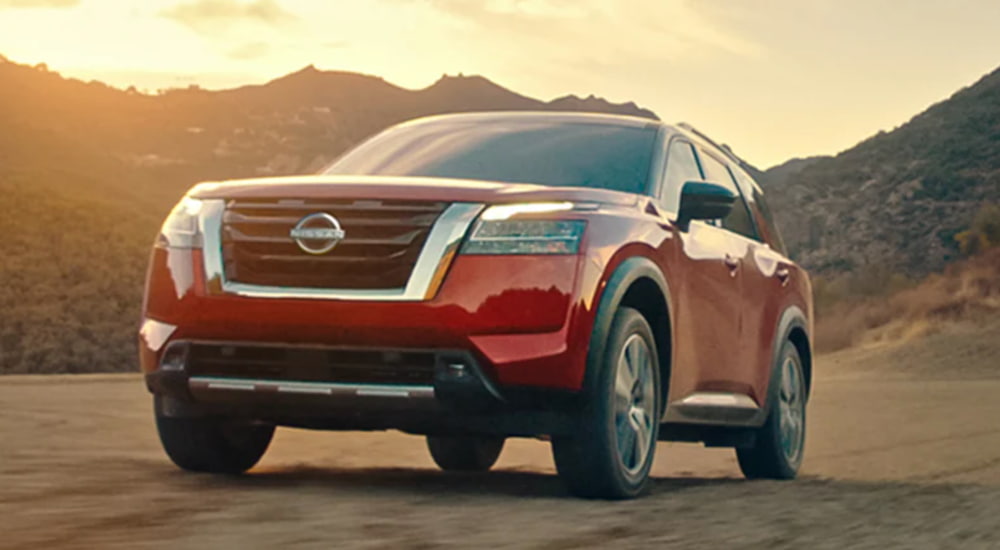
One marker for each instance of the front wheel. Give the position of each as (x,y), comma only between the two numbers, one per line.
(210,444)
(780,442)
(611,452)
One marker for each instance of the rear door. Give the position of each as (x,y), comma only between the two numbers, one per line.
(707,285)
(766,284)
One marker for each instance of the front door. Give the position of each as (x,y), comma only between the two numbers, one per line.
(708,312)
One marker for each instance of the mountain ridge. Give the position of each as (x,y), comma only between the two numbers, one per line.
(896,199)
(87,172)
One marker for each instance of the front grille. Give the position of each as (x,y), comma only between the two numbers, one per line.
(382,242)
(312,364)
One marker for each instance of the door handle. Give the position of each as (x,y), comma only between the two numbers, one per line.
(783,274)
(733,263)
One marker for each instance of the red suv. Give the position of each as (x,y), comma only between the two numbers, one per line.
(605,282)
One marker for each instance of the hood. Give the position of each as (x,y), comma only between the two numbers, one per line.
(403,188)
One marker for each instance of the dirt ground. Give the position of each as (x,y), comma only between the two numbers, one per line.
(896,457)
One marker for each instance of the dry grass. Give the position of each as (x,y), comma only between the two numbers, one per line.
(965,290)
(71,271)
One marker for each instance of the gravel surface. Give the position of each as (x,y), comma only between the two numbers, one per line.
(904,461)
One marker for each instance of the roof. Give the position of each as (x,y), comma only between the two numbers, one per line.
(570,117)
(695,135)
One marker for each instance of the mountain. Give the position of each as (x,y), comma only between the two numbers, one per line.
(597,104)
(776,176)
(88,171)
(293,124)
(897,199)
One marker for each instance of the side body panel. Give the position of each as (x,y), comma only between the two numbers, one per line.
(766,299)
(708,311)
(725,334)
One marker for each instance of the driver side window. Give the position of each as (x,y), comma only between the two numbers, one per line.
(681,167)
(739,220)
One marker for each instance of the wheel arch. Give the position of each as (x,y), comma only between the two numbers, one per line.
(636,282)
(793,327)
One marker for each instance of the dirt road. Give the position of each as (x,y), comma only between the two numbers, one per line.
(891,461)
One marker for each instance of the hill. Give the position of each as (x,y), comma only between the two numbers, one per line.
(777,176)
(87,172)
(897,199)
(966,292)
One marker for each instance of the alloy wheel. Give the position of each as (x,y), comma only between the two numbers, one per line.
(791,403)
(635,404)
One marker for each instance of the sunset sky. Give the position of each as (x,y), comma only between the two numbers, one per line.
(774,78)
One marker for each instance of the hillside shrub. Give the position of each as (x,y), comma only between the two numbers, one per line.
(984,232)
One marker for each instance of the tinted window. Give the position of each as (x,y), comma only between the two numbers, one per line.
(738,220)
(526,151)
(759,205)
(681,167)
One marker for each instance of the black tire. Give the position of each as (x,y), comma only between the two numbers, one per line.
(464,453)
(211,444)
(777,451)
(590,460)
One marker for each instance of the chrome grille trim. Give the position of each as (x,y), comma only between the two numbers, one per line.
(372,255)
(402,239)
(438,250)
(358,205)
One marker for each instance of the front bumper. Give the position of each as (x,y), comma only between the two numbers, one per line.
(332,377)
(426,392)
(517,318)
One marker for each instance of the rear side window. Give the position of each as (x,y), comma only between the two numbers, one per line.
(758,204)
(738,220)
(682,167)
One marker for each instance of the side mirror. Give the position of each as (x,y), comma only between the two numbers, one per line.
(701,200)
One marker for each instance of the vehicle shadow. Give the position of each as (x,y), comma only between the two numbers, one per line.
(416,481)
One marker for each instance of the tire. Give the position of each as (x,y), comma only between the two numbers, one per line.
(211,444)
(780,443)
(465,453)
(611,452)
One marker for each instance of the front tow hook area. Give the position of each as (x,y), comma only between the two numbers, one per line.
(460,383)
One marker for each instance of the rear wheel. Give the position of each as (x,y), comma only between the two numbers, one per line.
(611,452)
(465,453)
(211,444)
(780,442)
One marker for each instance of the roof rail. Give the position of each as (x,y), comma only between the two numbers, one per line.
(725,149)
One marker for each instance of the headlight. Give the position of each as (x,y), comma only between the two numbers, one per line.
(180,229)
(495,233)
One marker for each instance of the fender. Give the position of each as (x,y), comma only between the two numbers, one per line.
(790,319)
(627,272)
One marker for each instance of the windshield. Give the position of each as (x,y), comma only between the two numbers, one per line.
(545,152)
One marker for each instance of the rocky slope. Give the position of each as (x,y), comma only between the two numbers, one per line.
(897,199)
(293,124)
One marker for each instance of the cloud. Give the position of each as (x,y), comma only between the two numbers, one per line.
(208,16)
(249,51)
(604,29)
(531,9)
(38,3)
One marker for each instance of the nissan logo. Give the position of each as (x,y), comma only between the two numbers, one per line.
(317,233)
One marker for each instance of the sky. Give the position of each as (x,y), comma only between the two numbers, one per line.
(774,79)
